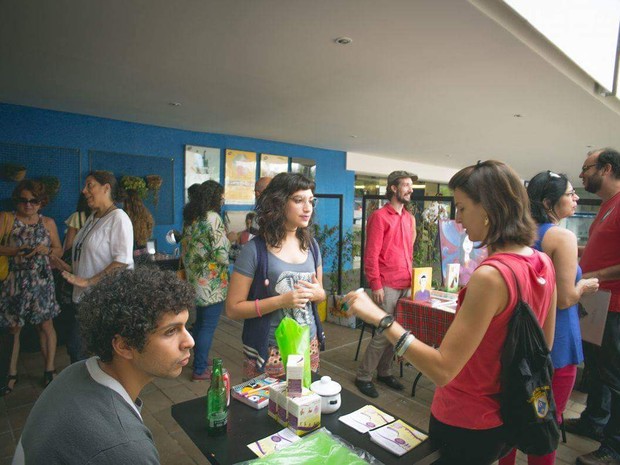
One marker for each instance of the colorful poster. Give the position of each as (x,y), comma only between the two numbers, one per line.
(270,165)
(240,177)
(421,283)
(457,248)
(201,164)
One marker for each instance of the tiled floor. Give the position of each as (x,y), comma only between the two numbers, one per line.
(174,446)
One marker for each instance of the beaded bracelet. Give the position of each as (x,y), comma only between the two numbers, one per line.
(400,341)
(410,338)
(257,308)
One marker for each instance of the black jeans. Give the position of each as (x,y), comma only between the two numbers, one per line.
(604,385)
(73,336)
(460,446)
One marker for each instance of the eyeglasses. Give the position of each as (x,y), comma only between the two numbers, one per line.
(587,167)
(30,201)
(299,200)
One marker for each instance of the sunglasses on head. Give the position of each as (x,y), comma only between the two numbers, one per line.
(30,201)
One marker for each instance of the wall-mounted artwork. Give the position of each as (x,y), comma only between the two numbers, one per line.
(305,166)
(457,248)
(201,164)
(270,165)
(240,177)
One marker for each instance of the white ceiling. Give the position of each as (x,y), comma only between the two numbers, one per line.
(430,81)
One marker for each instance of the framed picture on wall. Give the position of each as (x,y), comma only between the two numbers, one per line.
(240,177)
(305,166)
(201,164)
(270,165)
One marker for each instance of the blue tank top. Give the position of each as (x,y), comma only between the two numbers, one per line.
(567,349)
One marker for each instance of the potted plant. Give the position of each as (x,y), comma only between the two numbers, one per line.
(51,185)
(154,182)
(327,237)
(136,184)
(14,172)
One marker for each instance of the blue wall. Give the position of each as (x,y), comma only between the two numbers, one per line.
(33,126)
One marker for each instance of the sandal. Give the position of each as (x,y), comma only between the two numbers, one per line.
(6,389)
(48,377)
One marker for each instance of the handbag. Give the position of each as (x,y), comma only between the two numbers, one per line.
(526,402)
(4,259)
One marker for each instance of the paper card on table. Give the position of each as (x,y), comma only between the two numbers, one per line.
(398,437)
(275,442)
(593,322)
(366,418)
(452,283)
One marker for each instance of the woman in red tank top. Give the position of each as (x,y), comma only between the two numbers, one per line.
(493,206)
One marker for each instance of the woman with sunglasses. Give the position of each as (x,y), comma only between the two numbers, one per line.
(28,293)
(553,198)
(277,274)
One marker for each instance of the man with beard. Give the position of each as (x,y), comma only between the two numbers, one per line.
(388,265)
(601,259)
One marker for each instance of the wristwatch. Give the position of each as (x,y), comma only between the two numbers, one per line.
(385,323)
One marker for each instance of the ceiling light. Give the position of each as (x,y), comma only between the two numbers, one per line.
(343,40)
(360,186)
(353,136)
(517,115)
(174,104)
(600,90)
(419,186)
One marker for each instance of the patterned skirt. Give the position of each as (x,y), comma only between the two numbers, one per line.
(274,366)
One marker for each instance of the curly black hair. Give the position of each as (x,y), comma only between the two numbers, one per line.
(130,303)
(202,200)
(271,206)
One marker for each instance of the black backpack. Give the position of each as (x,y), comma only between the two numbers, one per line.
(527,406)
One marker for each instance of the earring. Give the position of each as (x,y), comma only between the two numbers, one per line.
(486,221)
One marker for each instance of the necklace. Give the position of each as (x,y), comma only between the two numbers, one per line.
(91,224)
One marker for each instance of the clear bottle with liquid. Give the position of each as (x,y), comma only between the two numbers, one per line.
(217,410)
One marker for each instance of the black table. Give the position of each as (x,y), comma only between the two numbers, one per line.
(246,425)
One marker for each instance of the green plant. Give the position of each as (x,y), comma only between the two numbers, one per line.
(327,238)
(135,183)
(14,171)
(51,185)
(427,250)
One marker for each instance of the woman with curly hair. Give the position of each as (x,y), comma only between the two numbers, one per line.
(28,293)
(277,274)
(205,257)
(141,220)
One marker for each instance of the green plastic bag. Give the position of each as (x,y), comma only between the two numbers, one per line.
(294,339)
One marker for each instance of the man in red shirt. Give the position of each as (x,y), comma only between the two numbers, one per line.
(387,264)
(601,259)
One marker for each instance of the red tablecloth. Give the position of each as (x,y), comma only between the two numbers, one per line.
(426,323)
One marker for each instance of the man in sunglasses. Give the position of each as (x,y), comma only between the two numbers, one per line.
(601,259)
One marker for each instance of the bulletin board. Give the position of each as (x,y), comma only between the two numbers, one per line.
(64,163)
(124,164)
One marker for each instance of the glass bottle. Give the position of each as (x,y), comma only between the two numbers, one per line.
(217,410)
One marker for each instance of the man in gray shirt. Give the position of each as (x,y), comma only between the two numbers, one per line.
(134,322)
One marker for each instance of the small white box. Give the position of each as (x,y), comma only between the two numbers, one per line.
(278,403)
(304,413)
(295,374)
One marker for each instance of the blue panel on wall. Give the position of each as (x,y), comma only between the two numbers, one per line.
(122,164)
(64,163)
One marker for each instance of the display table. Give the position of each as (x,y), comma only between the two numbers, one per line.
(426,322)
(246,425)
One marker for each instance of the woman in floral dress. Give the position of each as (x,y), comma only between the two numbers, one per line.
(205,257)
(28,293)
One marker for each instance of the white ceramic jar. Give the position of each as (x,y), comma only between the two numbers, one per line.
(330,394)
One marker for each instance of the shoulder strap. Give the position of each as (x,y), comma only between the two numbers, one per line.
(314,250)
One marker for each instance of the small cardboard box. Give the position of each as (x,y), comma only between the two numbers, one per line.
(295,374)
(278,403)
(304,413)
